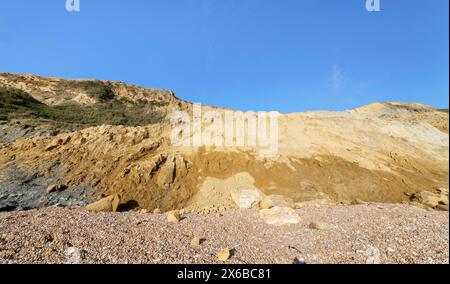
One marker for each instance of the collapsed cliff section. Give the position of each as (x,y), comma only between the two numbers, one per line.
(118,142)
(140,164)
(43,108)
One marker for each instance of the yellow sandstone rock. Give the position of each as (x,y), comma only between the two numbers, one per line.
(224,254)
(196,242)
(107,204)
(173,216)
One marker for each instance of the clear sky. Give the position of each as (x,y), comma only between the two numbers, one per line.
(286,55)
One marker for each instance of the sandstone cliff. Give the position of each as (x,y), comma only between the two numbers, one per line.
(100,138)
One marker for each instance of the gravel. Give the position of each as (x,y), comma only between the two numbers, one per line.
(373,233)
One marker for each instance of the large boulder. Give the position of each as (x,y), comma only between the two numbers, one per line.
(107,204)
(279,216)
(247,198)
(276,201)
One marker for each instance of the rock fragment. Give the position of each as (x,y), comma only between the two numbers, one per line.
(246,199)
(390,250)
(173,216)
(373,255)
(196,242)
(107,204)
(298,261)
(224,254)
(319,226)
(279,216)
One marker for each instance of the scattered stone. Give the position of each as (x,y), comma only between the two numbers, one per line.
(73,255)
(373,255)
(173,216)
(390,250)
(196,242)
(299,261)
(56,187)
(157,211)
(224,254)
(276,201)
(247,198)
(279,216)
(319,226)
(107,204)
(48,238)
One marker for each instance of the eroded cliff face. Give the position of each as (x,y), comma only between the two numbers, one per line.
(389,152)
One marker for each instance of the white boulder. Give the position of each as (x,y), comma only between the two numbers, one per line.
(279,216)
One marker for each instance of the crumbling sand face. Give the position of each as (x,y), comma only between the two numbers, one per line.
(380,153)
(140,164)
(317,178)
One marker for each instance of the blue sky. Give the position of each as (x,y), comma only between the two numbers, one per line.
(286,55)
